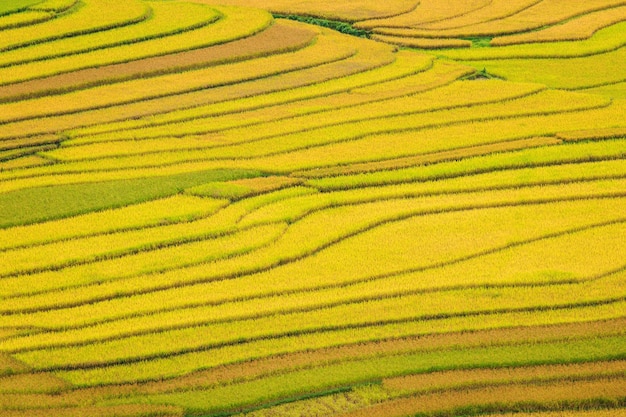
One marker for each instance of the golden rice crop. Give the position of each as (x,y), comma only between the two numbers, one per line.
(278,312)
(24,19)
(538,15)
(9,365)
(228,28)
(187,16)
(309,83)
(287,247)
(27,161)
(435,157)
(524,264)
(173,209)
(423,43)
(490,170)
(598,134)
(132,410)
(582,27)
(56,6)
(502,397)
(277,38)
(31,383)
(355,10)
(450,379)
(427,11)
(96,15)
(29,141)
(605,40)
(317,379)
(270,140)
(497,9)
(237,372)
(614,90)
(234,128)
(615,412)
(132,263)
(136,90)
(573,73)
(427,140)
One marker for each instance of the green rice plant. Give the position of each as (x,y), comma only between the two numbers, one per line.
(56,6)
(615,91)
(24,18)
(188,16)
(69,200)
(95,15)
(16,6)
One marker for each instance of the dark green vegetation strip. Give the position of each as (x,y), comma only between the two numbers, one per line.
(12,6)
(45,203)
(339,26)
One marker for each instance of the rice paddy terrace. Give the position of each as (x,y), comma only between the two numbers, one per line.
(207,210)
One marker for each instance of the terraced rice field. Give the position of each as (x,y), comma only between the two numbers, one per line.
(212,210)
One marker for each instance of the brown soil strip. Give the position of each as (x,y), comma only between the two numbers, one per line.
(280,37)
(447,379)
(500,398)
(429,158)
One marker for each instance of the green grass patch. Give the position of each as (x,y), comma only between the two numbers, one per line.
(339,26)
(46,203)
(480,42)
(13,6)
